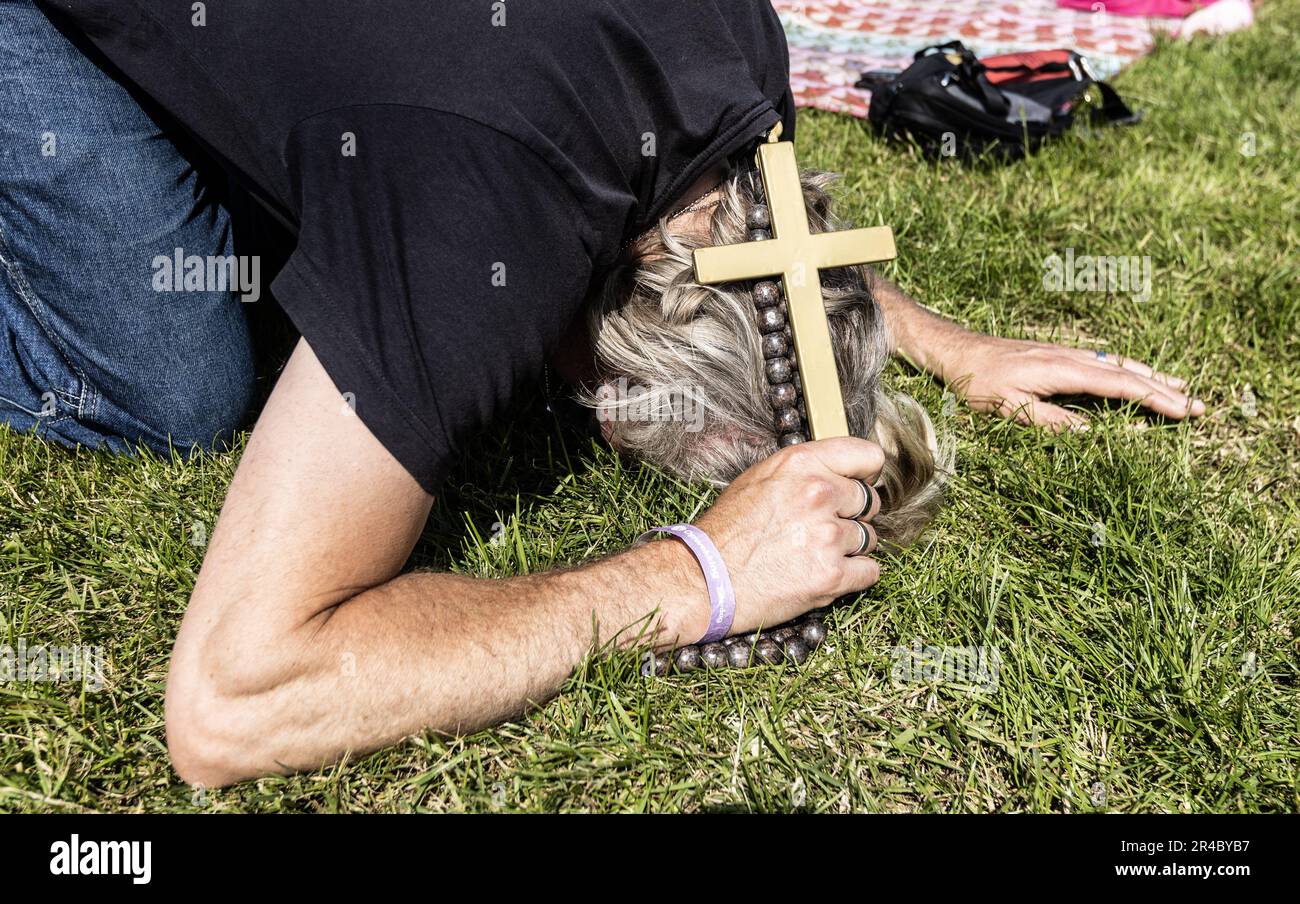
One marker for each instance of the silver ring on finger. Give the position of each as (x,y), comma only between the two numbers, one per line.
(868,539)
(870,501)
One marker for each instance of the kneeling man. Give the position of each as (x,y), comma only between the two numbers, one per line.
(472,192)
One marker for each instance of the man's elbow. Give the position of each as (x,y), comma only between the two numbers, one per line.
(206,741)
(215,730)
(190,744)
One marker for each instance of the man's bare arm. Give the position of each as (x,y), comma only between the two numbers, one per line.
(922,337)
(303,643)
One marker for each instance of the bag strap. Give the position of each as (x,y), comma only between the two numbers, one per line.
(972,71)
(1113,108)
(994,99)
(956,46)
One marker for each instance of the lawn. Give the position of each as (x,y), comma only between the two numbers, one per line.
(1140,582)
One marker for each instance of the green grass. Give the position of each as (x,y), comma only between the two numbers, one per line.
(1126,665)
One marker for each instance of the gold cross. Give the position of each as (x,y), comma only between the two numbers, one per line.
(797,257)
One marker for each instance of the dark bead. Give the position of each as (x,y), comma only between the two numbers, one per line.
(759,235)
(792,439)
(779,370)
(813,633)
(774,345)
(766,293)
(798,384)
(662,663)
(687,659)
(771,320)
(782,634)
(795,650)
(788,421)
(784,395)
(728,641)
(758,218)
(768,650)
(738,655)
(714,655)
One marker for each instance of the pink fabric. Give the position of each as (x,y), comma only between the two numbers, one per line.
(1137,7)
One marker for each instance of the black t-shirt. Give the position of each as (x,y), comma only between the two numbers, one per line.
(457,172)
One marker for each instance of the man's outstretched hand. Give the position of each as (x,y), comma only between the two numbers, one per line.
(1014,378)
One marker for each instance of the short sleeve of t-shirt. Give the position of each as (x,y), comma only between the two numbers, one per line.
(438,265)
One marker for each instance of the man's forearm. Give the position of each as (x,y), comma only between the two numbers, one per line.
(924,338)
(425,650)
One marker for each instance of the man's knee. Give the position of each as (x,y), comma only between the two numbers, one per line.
(100,354)
(212,427)
(199,406)
(157,405)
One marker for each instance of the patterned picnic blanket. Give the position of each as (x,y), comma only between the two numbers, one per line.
(832,42)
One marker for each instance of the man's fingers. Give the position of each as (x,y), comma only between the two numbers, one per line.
(859,573)
(847,456)
(1056,418)
(859,538)
(856,538)
(1169,379)
(857,499)
(1035,413)
(1138,368)
(1114,382)
(1151,373)
(1131,364)
(1117,383)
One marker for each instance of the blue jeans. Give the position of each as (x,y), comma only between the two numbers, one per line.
(92,194)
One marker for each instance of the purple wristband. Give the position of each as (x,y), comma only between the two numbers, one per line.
(722,598)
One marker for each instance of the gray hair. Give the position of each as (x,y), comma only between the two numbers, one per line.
(656,329)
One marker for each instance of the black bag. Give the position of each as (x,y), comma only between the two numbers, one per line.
(953,104)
